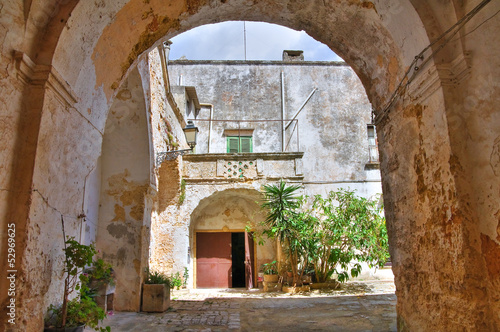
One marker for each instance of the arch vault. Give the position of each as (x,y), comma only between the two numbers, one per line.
(64,62)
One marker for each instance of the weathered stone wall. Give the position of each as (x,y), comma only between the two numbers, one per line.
(332,126)
(173,236)
(125,182)
(207,204)
(92,45)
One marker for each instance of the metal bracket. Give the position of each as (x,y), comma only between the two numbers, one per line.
(170,155)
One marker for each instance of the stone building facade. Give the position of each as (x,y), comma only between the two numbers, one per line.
(259,121)
(429,68)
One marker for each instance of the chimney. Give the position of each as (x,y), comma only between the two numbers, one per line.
(166,48)
(289,55)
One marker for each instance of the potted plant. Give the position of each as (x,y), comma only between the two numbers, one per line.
(101,283)
(73,315)
(155,292)
(270,272)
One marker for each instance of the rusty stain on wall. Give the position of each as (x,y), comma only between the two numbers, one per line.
(129,193)
(491,252)
(169,178)
(495,157)
(119,213)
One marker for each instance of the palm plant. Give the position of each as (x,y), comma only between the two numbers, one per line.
(281,221)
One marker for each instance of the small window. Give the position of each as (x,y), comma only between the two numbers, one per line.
(372,144)
(241,144)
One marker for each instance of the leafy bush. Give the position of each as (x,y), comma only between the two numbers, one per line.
(176,280)
(155,277)
(329,233)
(270,268)
(81,310)
(346,229)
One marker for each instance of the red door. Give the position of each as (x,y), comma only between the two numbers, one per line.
(213,260)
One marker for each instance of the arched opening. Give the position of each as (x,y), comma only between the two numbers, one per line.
(125,202)
(435,210)
(225,217)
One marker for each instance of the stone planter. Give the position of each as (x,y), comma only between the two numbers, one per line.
(272,286)
(155,298)
(271,277)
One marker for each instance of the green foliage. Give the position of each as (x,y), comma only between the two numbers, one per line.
(346,228)
(81,310)
(77,256)
(182,196)
(101,272)
(270,268)
(332,234)
(186,276)
(155,277)
(176,280)
(280,202)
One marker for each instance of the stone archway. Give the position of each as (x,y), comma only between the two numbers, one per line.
(125,200)
(439,148)
(229,211)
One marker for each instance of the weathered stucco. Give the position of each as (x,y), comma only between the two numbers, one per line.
(438,144)
(332,131)
(125,182)
(332,126)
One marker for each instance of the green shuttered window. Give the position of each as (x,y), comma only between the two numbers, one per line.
(239,144)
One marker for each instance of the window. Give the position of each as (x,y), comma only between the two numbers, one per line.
(240,144)
(372,144)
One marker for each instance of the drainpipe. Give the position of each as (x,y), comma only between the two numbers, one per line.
(283,111)
(209,123)
(301,107)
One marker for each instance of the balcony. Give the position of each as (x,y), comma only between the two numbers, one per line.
(243,167)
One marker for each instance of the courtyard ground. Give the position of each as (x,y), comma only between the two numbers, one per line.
(361,305)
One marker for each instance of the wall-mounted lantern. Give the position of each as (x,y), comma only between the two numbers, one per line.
(191,133)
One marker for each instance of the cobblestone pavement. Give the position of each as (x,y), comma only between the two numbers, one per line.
(356,306)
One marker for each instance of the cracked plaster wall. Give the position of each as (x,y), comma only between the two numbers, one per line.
(379,39)
(332,126)
(125,183)
(223,207)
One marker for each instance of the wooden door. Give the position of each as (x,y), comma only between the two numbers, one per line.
(213,260)
(249,260)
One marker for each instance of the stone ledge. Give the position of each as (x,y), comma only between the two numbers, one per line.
(242,180)
(243,156)
(258,62)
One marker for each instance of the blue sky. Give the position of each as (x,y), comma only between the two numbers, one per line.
(224,41)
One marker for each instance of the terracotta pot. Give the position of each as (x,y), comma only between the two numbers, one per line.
(271,277)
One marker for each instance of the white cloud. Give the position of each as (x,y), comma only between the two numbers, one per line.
(225,41)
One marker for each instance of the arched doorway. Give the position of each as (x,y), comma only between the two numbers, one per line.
(225,221)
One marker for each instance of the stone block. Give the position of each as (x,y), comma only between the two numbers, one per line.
(155,298)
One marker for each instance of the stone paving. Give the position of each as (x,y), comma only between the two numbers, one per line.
(356,306)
